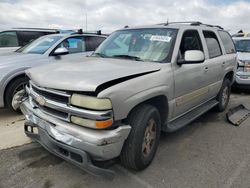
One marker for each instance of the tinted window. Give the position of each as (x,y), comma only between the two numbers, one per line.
(190,41)
(93,42)
(213,45)
(8,39)
(74,44)
(26,37)
(227,42)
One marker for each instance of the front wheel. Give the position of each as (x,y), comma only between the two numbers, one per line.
(140,147)
(14,87)
(224,95)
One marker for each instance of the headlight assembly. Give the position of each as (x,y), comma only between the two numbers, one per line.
(90,102)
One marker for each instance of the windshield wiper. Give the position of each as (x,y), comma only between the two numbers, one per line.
(99,54)
(128,57)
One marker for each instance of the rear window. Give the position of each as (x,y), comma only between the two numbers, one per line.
(227,42)
(213,44)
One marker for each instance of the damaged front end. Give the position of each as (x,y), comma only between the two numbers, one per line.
(77,144)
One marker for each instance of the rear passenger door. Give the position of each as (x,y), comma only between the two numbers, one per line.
(215,62)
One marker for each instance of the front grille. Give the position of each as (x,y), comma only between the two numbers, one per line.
(56,103)
(52,95)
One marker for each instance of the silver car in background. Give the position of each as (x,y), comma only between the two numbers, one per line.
(54,48)
(242,45)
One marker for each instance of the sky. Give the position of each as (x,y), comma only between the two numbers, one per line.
(109,15)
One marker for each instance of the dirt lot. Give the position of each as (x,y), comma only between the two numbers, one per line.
(208,153)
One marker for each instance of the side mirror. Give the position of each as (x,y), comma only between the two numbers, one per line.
(61,51)
(192,57)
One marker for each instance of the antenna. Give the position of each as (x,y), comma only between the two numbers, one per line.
(86,21)
(86,15)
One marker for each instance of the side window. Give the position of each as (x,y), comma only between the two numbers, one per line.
(8,39)
(227,42)
(190,41)
(26,37)
(213,45)
(74,44)
(93,42)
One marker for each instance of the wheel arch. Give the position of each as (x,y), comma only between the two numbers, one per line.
(160,102)
(10,80)
(230,76)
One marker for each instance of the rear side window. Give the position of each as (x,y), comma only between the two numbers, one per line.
(93,42)
(26,37)
(227,42)
(213,45)
(8,39)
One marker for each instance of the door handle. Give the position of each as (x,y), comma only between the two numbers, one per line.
(223,64)
(206,69)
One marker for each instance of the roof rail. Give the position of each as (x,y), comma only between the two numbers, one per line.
(193,23)
(33,28)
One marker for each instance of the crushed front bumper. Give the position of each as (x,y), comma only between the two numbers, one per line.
(73,143)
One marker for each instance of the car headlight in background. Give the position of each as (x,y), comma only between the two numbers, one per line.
(241,63)
(90,102)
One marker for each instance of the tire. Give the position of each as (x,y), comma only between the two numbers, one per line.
(224,96)
(138,150)
(15,86)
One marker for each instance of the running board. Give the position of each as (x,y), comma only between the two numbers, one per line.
(189,117)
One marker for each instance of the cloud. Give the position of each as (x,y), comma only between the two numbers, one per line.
(109,15)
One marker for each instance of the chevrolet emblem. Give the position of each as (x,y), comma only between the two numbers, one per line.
(40,100)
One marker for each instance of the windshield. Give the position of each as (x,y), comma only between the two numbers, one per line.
(153,45)
(242,45)
(40,45)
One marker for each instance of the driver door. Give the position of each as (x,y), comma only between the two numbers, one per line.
(76,47)
(190,88)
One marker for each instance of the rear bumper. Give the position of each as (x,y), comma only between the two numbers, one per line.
(73,143)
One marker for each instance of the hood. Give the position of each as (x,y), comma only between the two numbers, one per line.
(243,56)
(15,57)
(90,74)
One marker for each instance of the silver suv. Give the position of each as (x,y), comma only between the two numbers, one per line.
(140,81)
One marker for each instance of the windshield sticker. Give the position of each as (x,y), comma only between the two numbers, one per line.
(160,38)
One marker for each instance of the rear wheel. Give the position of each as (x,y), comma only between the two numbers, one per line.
(224,96)
(15,86)
(140,147)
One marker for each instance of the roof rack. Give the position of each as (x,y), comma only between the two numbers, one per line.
(80,31)
(193,23)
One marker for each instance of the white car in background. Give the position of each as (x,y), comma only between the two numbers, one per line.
(242,45)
